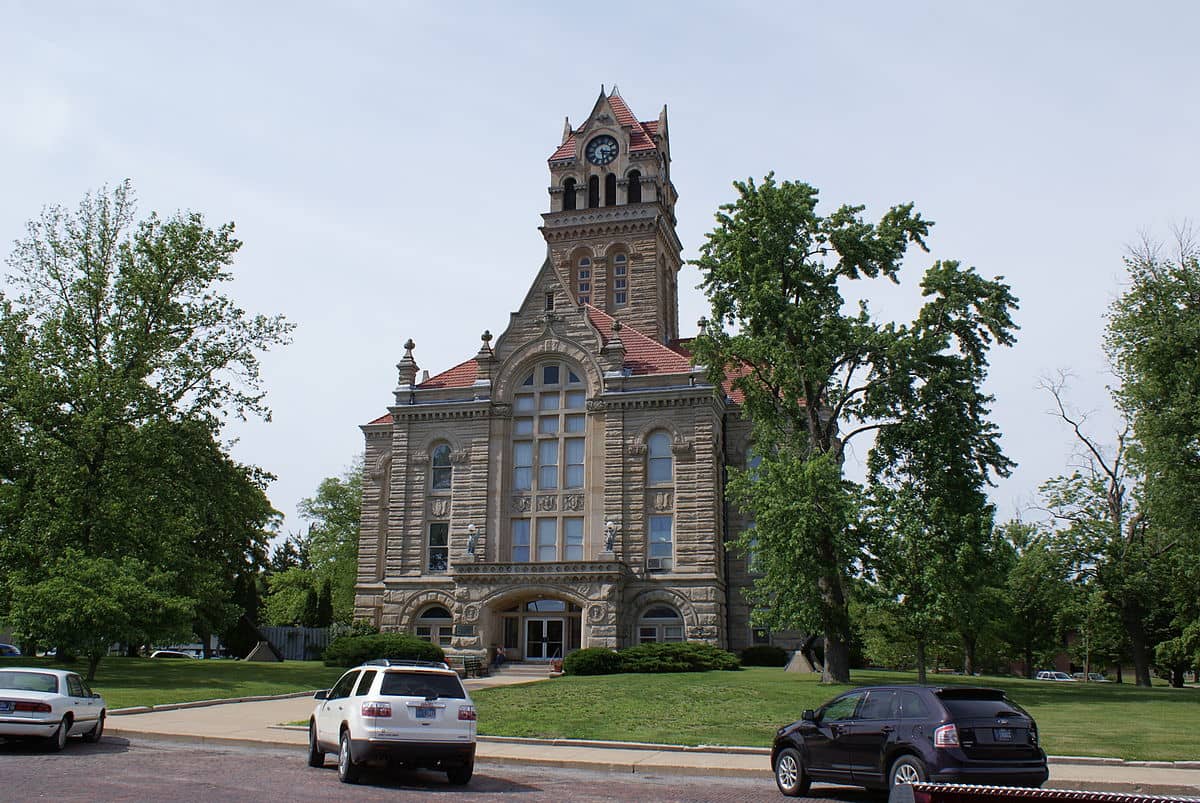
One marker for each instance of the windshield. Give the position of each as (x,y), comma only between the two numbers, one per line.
(28,681)
(422,684)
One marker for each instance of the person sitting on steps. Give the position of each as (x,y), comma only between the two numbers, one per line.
(499,657)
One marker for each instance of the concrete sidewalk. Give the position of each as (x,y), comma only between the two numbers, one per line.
(262,723)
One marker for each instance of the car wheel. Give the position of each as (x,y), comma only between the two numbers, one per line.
(460,775)
(58,739)
(96,732)
(906,770)
(790,776)
(316,756)
(348,771)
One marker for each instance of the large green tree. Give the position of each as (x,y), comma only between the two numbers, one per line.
(120,356)
(815,376)
(333,514)
(1038,589)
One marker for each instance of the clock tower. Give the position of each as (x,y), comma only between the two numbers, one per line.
(611,224)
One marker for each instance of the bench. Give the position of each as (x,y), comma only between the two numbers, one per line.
(474,667)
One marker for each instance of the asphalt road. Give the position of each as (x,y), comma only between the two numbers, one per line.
(140,770)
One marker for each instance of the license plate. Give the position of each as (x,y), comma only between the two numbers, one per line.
(426,713)
(1003,734)
(5,705)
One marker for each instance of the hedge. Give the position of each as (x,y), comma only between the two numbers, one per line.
(690,656)
(354,650)
(592,661)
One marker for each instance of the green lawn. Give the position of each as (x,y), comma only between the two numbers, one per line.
(126,682)
(745,708)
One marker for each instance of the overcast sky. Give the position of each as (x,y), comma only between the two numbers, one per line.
(385,163)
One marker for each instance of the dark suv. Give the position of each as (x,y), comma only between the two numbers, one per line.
(882,736)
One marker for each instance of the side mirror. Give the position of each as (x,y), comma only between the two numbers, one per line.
(95,696)
(323,694)
(809,715)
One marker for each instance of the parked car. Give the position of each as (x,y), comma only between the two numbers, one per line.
(882,736)
(49,704)
(1092,677)
(1060,677)
(170,654)
(9,651)
(413,713)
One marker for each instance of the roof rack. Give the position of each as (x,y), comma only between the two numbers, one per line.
(406,662)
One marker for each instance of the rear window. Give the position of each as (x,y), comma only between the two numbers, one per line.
(422,684)
(29,681)
(975,707)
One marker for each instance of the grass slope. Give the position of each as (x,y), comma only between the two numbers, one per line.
(745,708)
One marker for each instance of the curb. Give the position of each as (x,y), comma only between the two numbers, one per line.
(258,698)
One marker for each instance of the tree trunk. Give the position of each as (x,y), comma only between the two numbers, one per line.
(921,661)
(969,645)
(93,662)
(837,660)
(1132,615)
(131,650)
(1177,678)
(1030,672)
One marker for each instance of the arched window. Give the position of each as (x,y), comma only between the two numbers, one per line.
(620,280)
(549,423)
(583,280)
(593,192)
(660,623)
(635,187)
(568,195)
(610,189)
(435,625)
(442,473)
(658,457)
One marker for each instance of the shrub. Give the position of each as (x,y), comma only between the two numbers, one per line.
(354,650)
(765,655)
(592,661)
(687,656)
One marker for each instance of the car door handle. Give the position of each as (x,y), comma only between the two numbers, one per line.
(887,729)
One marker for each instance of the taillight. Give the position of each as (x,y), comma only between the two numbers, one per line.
(37,708)
(946,736)
(377,709)
(1033,736)
(466,712)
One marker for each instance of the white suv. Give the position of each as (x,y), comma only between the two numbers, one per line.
(415,713)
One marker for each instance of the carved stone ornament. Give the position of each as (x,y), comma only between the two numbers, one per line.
(663,500)
(420,459)
(440,507)
(596,405)
(683,448)
(547,503)
(637,450)
(573,502)
(471,613)
(596,613)
(460,456)
(520,504)
(502,410)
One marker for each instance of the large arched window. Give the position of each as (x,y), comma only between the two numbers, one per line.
(635,187)
(549,420)
(593,192)
(568,202)
(435,625)
(659,624)
(610,189)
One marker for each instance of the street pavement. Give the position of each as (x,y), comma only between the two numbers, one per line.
(262,723)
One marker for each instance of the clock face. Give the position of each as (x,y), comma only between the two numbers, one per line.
(602,150)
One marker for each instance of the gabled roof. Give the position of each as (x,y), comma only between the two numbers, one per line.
(643,355)
(641,134)
(462,375)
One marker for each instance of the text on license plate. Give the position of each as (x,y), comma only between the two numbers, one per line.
(1003,734)
(5,705)
(425,712)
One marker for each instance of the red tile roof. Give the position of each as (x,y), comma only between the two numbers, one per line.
(641,134)
(462,375)
(643,355)
(386,418)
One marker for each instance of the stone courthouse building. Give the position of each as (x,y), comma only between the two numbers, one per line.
(564,487)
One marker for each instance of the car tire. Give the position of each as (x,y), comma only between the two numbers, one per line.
(58,739)
(460,775)
(93,736)
(790,776)
(316,756)
(907,770)
(348,771)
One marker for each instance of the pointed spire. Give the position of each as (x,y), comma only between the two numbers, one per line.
(662,122)
(614,92)
(566,130)
(485,360)
(407,367)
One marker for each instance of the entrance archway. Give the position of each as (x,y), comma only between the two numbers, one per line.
(539,629)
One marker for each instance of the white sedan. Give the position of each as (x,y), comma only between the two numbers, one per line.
(51,704)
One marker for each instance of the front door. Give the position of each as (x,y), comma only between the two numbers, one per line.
(543,639)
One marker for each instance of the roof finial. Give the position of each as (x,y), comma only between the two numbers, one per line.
(614,91)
